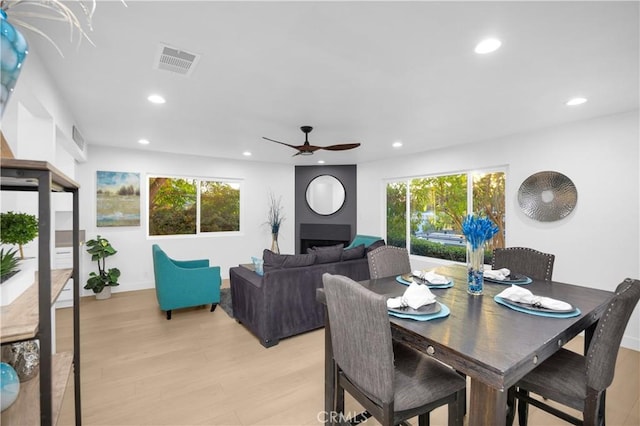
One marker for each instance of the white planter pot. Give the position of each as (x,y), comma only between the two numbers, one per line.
(104,294)
(17,284)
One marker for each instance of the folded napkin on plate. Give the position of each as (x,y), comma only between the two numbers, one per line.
(415,296)
(522,295)
(497,274)
(431,276)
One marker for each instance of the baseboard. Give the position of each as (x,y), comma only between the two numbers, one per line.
(630,343)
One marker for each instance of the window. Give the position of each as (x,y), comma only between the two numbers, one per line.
(187,206)
(425,214)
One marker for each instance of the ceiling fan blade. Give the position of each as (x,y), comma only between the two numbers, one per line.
(281,143)
(340,147)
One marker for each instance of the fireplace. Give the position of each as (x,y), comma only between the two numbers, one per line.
(316,234)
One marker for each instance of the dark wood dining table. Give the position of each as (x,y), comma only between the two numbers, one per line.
(492,344)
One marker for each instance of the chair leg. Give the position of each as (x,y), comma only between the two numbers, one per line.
(523,409)
(213,306)
(169,314)
(511,405)
(456,409)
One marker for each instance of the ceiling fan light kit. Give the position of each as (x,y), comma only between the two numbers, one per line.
(308,149)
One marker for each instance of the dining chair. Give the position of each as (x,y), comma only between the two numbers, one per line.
(526,261)
(387,261)
(580,381)
(392,381)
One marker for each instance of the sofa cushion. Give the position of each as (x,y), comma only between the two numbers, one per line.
(356,252)
(283,261)
(375,245)
(327,254)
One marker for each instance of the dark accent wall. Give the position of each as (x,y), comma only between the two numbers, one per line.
(347,215)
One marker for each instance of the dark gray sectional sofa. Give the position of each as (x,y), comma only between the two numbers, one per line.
(282,303)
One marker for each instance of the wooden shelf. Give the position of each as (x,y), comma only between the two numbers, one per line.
(20,318)
(59,181)
(26,410)
(29,316)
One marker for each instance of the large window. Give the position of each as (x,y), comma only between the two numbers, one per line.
(425,214)
(184,206)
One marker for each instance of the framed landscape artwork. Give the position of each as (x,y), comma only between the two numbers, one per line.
(117,199)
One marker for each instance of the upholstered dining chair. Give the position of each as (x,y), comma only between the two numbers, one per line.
(526,261)
(387,261)
(184,283)
(580,381)
(393,382)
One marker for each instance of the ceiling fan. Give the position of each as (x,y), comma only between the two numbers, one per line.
(308,149)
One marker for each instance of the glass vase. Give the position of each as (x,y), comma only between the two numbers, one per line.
(274,244)
(13,52)
(475,269)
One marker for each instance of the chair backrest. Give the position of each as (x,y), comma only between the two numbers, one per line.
(522,260)
(361,335)
(387,261)
(603,349)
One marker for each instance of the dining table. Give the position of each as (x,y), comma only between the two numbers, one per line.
(490,343)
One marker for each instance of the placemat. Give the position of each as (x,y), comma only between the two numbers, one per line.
(405,282)
(574,313)
(444,312)
(526,280)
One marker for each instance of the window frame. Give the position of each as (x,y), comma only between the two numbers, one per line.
(470,173)
(197,180)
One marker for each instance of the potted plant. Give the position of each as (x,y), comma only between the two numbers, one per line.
(8,264)
(18,229)
(101,283)
(17,272)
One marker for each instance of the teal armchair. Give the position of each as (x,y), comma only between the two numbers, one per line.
(367,240)
(185,283)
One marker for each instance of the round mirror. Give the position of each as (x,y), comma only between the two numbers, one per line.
(325,195)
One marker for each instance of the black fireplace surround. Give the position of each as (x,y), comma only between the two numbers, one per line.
(320,234)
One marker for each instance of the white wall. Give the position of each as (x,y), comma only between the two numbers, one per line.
(134,246)
(597,245)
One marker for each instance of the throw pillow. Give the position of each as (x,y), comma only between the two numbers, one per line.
(328,254)
(258,265)
(283,261)
(356,252)
(375,245)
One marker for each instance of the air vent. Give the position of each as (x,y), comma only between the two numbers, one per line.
(77,138)
(175,60)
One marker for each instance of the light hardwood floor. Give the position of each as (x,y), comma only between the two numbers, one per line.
(203,368)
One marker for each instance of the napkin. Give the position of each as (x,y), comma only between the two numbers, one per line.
(497,274)
(522,295)
(431,276)
(415,296)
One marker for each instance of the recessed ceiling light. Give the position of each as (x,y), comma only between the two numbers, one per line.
(397,144)
(487,46)
(143,141)
(576,101)
(320,161)
(246,154)
(156,99)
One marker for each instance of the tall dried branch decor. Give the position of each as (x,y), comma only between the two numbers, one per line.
(275,215)
(22,12)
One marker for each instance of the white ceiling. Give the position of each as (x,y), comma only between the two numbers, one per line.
(369,72)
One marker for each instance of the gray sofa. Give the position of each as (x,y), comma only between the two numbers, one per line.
(282,303)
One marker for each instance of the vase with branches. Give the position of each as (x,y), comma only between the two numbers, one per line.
(14,14)
(275,217)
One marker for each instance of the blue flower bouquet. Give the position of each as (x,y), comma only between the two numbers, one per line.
(478,230)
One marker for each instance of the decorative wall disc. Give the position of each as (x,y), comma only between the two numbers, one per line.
(547,196)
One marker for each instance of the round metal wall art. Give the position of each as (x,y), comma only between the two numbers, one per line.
(547,196)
